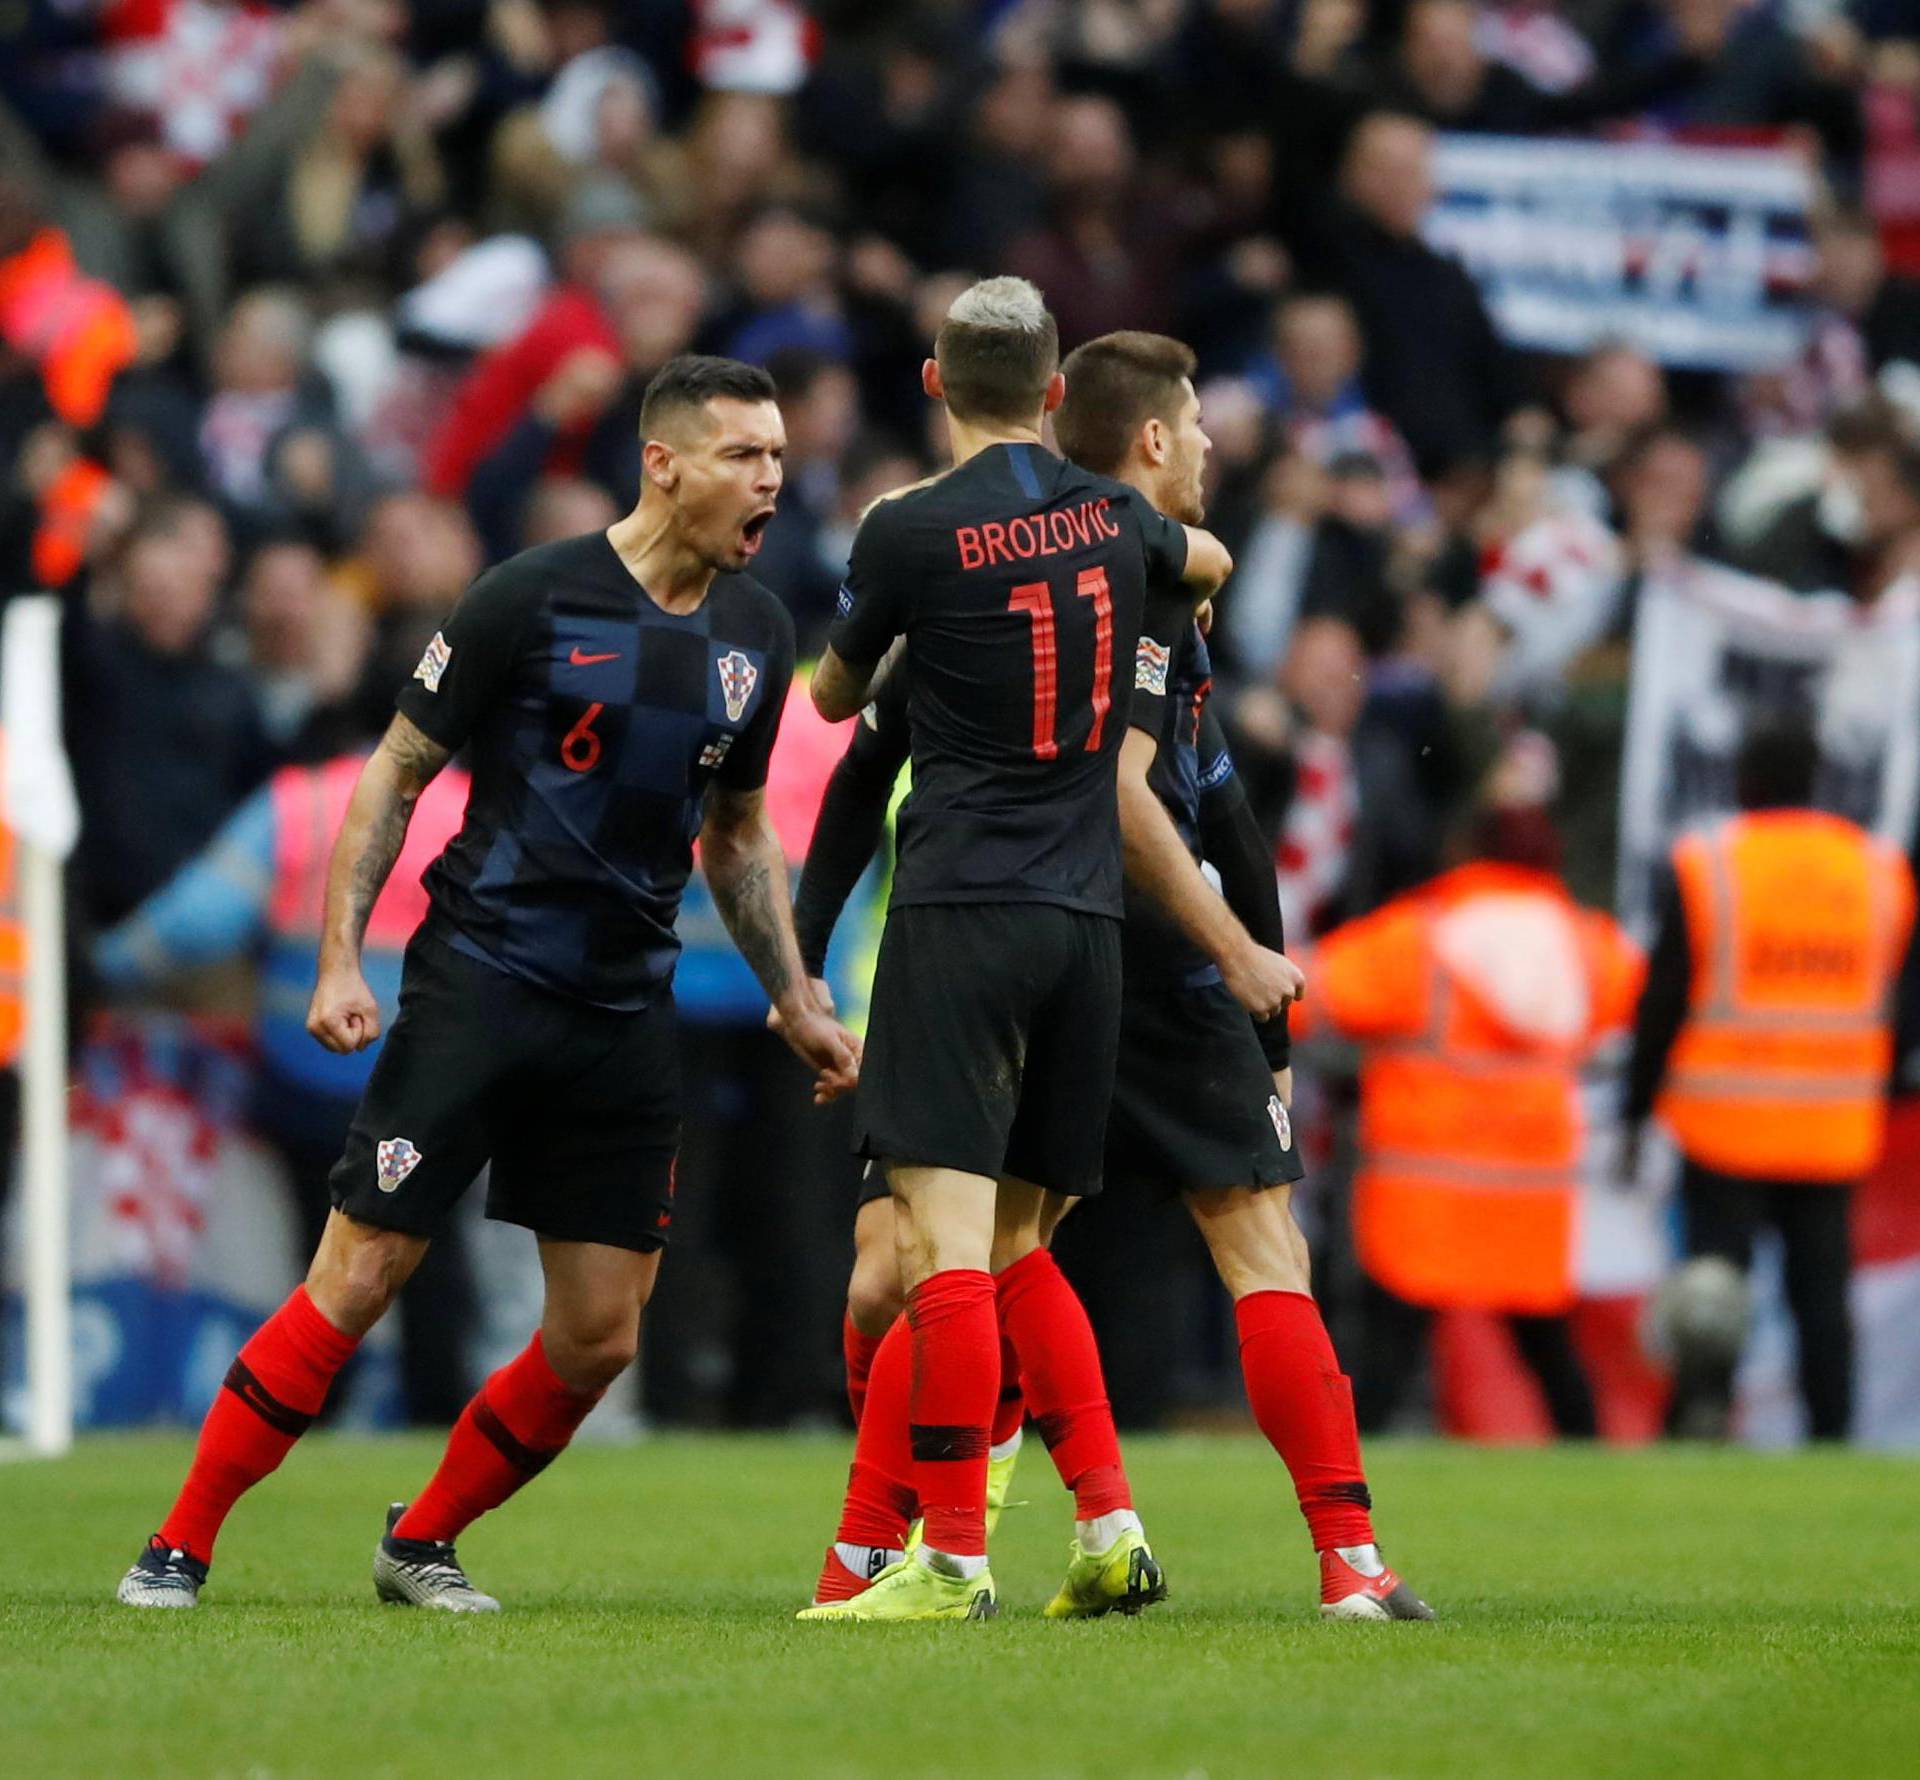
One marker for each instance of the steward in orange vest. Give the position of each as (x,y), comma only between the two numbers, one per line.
(1475,1000)
(1764,1044)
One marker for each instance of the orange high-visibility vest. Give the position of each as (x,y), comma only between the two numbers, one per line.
(1797,923)
(1475,1000)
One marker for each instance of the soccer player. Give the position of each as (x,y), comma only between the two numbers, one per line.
(1200,1104)
(618,693)
(1018,582)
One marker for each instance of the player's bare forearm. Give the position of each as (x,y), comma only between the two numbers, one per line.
(841,688)
(1209,563)
(747,873)
(372,834)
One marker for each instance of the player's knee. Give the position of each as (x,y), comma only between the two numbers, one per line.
(873,1292)
(358,1272)
(590,1353)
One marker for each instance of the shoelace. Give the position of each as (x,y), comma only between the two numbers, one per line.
(442,1566)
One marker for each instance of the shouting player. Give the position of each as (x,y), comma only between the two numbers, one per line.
(1018,583)
(1200,1104)
(618,693)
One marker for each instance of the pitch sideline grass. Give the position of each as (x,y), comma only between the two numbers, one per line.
(1606,1614)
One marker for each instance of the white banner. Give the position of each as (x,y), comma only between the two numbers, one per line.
(1713,648)
(1698,255)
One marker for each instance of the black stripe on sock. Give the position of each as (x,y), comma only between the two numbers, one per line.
(520,1456)
(1356,1495)
(935,1443)
(1052,1428)
(280,1416)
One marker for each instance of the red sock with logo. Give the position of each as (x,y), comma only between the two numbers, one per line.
(858,1350)
(272,1392)
(1011,1410)
(1065,1389)
(1303,1403)
(516,1426)
(955,1386)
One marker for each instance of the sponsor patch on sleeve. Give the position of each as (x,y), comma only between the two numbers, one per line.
(1150,661)
(434,663)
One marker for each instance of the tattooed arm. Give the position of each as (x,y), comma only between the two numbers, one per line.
(343,1015)
(747,873)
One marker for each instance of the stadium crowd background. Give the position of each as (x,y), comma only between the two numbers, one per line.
(379,287)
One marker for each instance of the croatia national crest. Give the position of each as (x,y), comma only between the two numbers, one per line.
(394,1160)
(738,677)
(1150,661)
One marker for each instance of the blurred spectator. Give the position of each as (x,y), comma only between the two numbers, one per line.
(1612,393)
(1095,259)
(1434,364)
(788,297)
(272,450)
(820,403)
(306,648)
(1474,1002)
(199,69)
(566,507)
(414,558)
(1764,1043)
(164,740)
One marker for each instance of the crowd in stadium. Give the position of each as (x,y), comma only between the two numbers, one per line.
(358,297)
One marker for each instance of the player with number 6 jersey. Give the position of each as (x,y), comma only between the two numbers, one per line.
(618,695)
(1018,583)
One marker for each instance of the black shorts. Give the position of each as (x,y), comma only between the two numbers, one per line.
(1194,1106)
(576,1107)
(991,1042)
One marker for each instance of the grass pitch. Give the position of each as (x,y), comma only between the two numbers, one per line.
(1605,1613)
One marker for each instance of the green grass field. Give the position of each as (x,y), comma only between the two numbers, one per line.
(1605,1613)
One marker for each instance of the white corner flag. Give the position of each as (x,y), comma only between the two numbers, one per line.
(37,804)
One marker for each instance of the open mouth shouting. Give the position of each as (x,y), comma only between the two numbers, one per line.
(753,531)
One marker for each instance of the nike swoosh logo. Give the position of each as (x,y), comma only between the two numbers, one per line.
(580,661)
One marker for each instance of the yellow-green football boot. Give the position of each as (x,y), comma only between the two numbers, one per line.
(1122,1579)
(910,1590)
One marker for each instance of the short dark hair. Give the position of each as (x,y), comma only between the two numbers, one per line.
(993,369)
(1115,384)
(1778,764)
(695,378)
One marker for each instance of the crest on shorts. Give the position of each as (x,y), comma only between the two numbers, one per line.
(434,663)
(738,677)
(1282,1125)
(394,1160)
(1150,661)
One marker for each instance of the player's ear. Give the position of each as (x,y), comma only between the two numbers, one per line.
(931,380)
(1056,392)
(660,465)
(1154,441)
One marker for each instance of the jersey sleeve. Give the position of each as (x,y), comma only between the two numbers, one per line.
(853,816)
(871,609)
(471,656)
(745,767)
(1164,624)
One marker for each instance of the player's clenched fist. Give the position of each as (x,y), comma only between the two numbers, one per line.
(343,1014)
(1264,982)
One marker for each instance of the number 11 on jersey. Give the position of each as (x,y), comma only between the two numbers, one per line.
(1035,598)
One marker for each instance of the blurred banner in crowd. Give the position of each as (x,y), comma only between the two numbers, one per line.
(1697,255)
(1710,645)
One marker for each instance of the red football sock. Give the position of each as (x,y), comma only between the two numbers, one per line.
(516,1426)
(858,1350)
(1011,1410)
(1304,1405)
(272,1392)
(956,1380)
(880,1498)
(1060,1373)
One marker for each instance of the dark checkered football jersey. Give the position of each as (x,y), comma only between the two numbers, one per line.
(1019,580)
(594,723)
